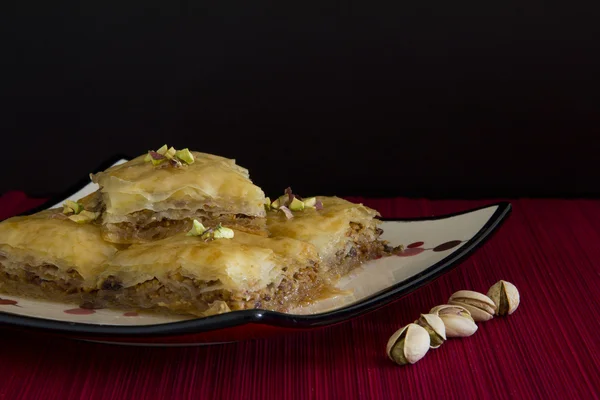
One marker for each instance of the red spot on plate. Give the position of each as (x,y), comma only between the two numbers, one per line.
(415,244)
(130,314)
(80,311)
(447,245)
(410,252)
(6,302)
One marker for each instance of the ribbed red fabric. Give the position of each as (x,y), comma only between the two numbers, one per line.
(548,349)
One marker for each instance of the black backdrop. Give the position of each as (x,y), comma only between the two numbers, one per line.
(434,99)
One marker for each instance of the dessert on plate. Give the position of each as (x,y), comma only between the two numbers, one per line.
(186,232)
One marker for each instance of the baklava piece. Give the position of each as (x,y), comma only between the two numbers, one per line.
(345,234)
(52,255)
(158,195)
(210,271)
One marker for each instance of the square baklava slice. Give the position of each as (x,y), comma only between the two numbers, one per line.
(345,234)
(211,272)
(52,255)
(159,194)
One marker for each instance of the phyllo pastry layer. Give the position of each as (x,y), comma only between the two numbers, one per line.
(190,275)
(47,255)
(151,198)
(345,234)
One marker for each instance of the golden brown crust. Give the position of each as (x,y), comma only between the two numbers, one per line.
(48,238)
(142,202)
(210,181)
(331,230)
(244,263)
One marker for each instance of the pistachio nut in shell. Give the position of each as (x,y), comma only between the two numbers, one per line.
(457,320)
(408,344)
(434,325)
(481,307)
(506,297)
(446,309)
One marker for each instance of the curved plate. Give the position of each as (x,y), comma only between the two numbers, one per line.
(434,245)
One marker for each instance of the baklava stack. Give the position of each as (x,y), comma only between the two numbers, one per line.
(189,233)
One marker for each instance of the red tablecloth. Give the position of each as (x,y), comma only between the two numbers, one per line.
(549,348)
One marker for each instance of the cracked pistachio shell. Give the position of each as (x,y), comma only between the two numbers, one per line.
(434,325)
(457,320)
(481,307)
(446,309)
(459,326)
(506,297)
(408,344)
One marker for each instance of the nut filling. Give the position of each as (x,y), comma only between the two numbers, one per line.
(42,281)
(146,226)
(181,294)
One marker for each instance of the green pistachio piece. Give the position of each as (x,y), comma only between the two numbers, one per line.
(148,158)
(267,204)
(185,155)
(222,232)
(78,218)
(72,206)
(156,162)
(283,200)
(276,204)
(197,229)
(296,205)
(163,150)
(170,153)
(310,202)
(84,217)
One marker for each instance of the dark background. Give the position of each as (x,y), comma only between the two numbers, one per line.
(437,99)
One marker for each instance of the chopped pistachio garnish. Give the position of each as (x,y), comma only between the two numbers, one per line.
(284,200)
(287,212)
(158,160)
(84,217)
(293,202)
(197,229)
(163,150)
(222,232)
(175,157)
(170,153)
(310,202)
(267,204)
(185,155)
(71,207)
(175,162)
(319,205)
(219,232)
(296,205)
